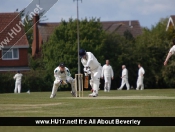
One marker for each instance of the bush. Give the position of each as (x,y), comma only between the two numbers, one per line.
(39,80)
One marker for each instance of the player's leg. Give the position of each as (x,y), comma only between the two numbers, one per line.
(109,84)
(122,84)
(142,85)
(95,75)
(127,83)
(56,84)
(19,87)
(106,84)
(72,83)
(138,83)
(16,87)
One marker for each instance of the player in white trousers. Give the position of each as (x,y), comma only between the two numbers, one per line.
(107,75)
(18,78)
(124,78)
(62,76)
(171,52)
(93,67)
(141,73)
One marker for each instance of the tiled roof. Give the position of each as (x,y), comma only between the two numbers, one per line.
(12,30)
(121,26)
(46,29)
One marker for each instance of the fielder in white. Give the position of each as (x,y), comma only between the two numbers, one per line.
(93,67)
(171,52)
(141,73)
(18,78)
(62,76)
(107,75)
(124,78)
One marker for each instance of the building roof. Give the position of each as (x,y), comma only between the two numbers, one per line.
(171,21)
(46,29)
(121,26)
(12,30)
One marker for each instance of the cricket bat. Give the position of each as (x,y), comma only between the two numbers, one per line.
(86,81)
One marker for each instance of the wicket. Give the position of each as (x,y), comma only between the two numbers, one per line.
(79,85)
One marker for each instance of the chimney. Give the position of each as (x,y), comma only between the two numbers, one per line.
(130,25)
(35,43)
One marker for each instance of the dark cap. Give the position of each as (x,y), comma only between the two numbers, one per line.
(82,52)
(62,64)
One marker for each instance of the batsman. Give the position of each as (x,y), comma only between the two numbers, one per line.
(92,67)
(62,76)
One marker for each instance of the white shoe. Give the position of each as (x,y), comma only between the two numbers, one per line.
(118,89)
(93,95)
(73,94)
(28,92)
(52,96)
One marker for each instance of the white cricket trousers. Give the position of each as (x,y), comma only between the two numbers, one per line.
(57,83)
(95,80)
(140,83)
(124,81)
(107,85)
(17,87)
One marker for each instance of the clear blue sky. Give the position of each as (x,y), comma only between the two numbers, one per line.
(147,12)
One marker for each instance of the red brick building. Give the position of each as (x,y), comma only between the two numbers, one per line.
(13,43)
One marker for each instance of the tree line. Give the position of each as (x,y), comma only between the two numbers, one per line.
(149,49)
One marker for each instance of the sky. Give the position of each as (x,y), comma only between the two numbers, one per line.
(147,12)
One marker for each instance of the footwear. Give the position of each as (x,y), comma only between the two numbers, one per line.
(118,89)
(52,96)
(73,94)
(93,95)
(28,92)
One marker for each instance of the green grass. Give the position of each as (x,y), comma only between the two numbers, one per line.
(146,103)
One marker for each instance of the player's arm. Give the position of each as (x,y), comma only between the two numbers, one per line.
(112,73)
(90,58)
(14,77)
(167,58)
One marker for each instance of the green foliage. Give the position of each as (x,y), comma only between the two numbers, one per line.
(7,82)
(39,80)
(62,45)
(168,74)
(36,63)
(149,49)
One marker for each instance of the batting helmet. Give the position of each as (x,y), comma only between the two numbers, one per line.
(62,64)
(82,52)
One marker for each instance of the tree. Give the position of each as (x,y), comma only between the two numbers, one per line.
(150,50)
(62,45)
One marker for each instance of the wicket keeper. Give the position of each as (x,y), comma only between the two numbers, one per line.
(62,76)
